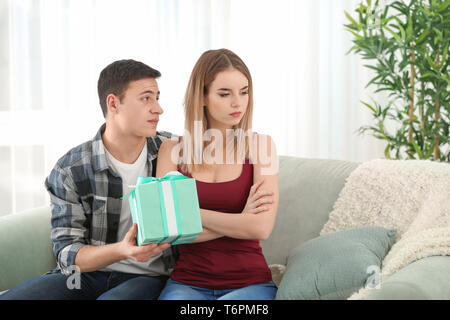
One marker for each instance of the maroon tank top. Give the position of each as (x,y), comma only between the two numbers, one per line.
(223,263)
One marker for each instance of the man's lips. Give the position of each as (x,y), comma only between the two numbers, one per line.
(154,121)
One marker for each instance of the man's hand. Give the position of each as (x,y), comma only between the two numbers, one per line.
(258,200)
(130,250)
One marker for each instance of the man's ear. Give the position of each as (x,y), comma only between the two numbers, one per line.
(112,103)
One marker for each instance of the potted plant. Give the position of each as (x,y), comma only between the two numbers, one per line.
(407,44)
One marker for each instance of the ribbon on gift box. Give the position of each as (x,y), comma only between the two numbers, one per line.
(168,202)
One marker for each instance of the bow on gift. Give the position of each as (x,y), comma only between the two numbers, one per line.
(170,176)
(168,203)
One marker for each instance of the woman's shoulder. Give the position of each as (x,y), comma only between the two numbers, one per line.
(170,143)
(165,150)
(263,150)
(166,162)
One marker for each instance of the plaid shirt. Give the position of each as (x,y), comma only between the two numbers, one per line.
(85,199)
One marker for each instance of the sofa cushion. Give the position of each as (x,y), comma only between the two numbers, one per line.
(308,188)
(424,279)
(26,249)
(335,265)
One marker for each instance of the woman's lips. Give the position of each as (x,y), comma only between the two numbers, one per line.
(235,114)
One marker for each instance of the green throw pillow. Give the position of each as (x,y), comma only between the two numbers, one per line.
(335,265)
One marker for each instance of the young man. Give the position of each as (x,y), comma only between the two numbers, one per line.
(91,227)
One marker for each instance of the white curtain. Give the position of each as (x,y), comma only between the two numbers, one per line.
(307,91)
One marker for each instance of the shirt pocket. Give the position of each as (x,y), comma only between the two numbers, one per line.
(98,219)
(99,205)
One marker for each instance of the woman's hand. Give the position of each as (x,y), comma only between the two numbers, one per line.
(258,200)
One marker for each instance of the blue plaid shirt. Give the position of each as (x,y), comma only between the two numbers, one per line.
(85,199)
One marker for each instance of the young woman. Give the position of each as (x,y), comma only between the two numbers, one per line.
(237,185)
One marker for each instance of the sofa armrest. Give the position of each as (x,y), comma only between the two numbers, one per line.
(424,279)
(25,246)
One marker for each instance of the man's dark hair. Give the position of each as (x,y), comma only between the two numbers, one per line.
(116,77)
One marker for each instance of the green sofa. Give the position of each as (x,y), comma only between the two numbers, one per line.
(308,189)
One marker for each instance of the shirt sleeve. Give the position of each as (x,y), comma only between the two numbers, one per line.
(68,222)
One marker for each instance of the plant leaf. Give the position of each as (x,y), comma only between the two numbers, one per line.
(399,40)
(409,28)
(417,149)
(368,106)
(349,17)
(355,34)
(444,6)
(400,26)
(430,152)
(444,55)
(387,154)
(421,38)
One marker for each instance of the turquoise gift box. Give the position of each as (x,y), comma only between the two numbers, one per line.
(165,209)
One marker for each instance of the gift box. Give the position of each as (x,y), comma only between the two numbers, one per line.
(165,209)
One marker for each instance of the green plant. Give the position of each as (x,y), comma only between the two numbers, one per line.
(408,43)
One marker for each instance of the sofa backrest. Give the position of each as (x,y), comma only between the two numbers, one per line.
(25,246)
(308,189)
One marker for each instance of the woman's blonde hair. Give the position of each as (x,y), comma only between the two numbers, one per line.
(205,71)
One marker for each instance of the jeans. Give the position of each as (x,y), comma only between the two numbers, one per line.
(92,285)
(175,290)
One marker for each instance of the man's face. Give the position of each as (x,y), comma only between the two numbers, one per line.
(138,112)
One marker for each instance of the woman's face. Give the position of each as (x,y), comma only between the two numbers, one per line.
(227,99)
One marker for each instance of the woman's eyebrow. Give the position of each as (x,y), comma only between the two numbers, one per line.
(226,89)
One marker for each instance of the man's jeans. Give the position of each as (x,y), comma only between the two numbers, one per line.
(92,285)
